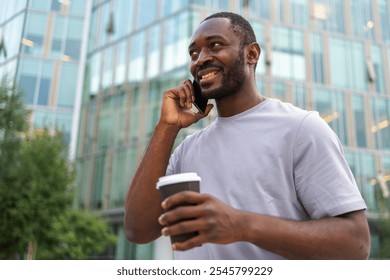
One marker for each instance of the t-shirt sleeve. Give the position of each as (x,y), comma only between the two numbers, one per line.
(324,182)
(174,161)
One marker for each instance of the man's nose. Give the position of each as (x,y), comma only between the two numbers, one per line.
(202,58)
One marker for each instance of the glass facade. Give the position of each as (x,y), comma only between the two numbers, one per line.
(331,56)
(43,40)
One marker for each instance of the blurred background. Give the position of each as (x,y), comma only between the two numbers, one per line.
(97,69)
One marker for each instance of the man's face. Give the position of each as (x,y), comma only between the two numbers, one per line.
(217,59)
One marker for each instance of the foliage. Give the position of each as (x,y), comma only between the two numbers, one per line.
(35,194)
(12,124)
(76,235)
(383,230)
(44,183)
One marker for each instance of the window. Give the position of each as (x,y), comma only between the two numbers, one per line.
(67,85)
(153,106)
(105,135)
(317,58)
(169,6)
(73,39)
(35,34)
(29,74)
(300,97)
(40,4)
(257,8)
(120,70)
(55,5)
(10,36)
(154,52)
(359,117)
(45,84)
(123,12)
(146,12)
(299,12)
(176,42)
(331,107)
(364,170)
(362,19)
(124,164)
(77,7)
(58,36)
(329,15)
(347,64)
(279,91)
(98,182)
(82,171)
(107,68)
(135,116)
(383,8)
(380,122)
(64,123)
(137,58)
(28,84)
(288,59)
(376,56)
(94,69)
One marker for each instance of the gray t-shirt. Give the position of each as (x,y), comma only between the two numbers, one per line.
(273,159)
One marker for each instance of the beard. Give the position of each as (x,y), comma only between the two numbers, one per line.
(232,81)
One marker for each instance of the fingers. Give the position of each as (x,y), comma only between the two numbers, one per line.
(184,93)
(183,227)
(184,197)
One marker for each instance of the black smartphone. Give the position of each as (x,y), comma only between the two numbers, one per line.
(200,102)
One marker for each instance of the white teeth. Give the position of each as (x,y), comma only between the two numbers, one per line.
(209,75)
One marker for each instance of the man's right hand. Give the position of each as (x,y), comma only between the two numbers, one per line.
(177,104)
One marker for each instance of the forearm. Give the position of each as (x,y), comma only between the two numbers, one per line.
(344,237)
(142,207)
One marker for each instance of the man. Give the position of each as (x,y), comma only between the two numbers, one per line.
(274,184)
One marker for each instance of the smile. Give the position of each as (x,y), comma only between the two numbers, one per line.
(209,75)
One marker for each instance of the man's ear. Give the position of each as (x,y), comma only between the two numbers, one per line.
(253,53)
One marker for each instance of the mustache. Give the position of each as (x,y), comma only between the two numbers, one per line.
(208,65)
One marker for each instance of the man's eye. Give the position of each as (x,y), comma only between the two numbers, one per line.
(215,44)
(193,53)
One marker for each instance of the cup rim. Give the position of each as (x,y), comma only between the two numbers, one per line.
(177,178)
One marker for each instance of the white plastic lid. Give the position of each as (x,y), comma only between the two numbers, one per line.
(177,178)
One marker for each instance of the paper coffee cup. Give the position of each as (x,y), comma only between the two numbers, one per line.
(171,184)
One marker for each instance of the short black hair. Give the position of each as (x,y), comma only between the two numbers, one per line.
(241,27)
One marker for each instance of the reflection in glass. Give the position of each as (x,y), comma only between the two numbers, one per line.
(67,86)
(317,58)
(362,19)
(35,33)
(137,58)
(331,107)
(299,12)
(347,64)
(383,10)
(377,63)
(154,52)
(359,120)
(329,15)
(288,59)
(380,121)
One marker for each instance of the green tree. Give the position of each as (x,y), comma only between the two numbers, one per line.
(37,220)
(76,235)
(44,182)
(12,124)
(383,226)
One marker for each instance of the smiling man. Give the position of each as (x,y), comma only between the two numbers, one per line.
(275,183)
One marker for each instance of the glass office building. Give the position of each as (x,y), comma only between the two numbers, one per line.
(331,56)
(41,49)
